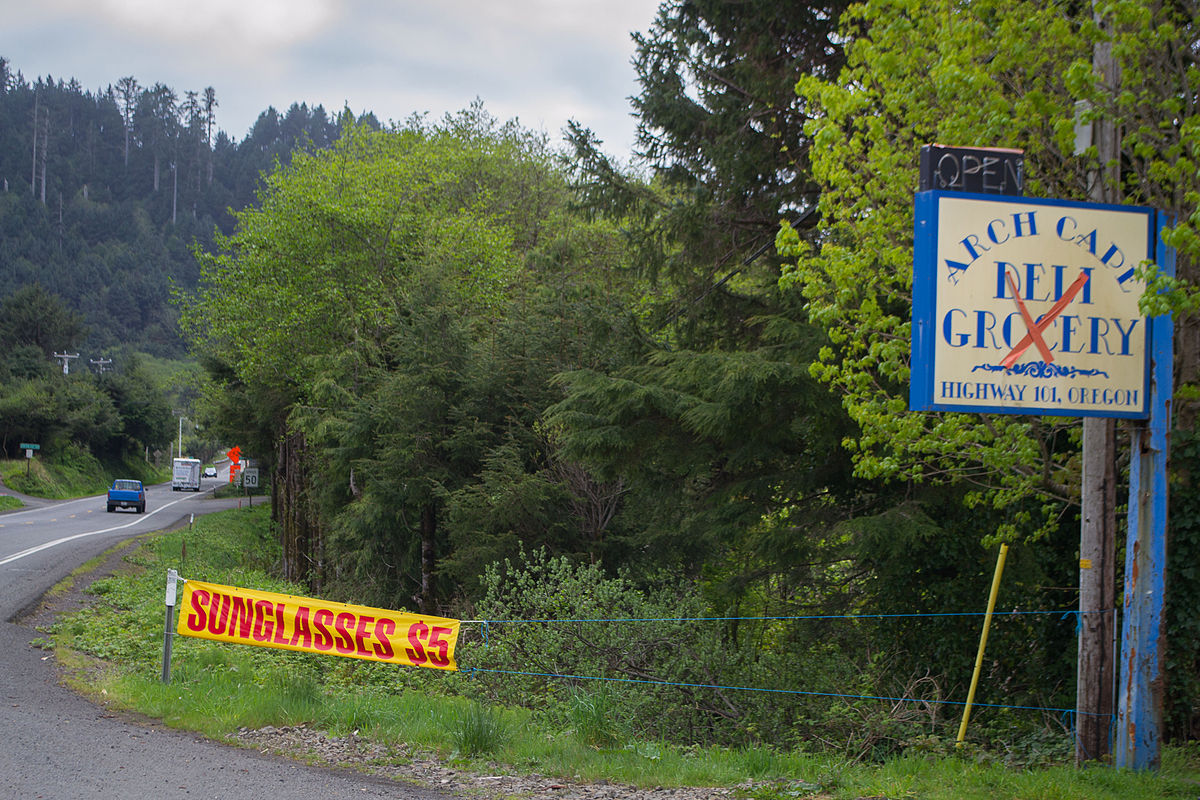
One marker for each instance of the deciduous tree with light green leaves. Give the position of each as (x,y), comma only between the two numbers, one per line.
(999,73)
(388,318)
(340,240)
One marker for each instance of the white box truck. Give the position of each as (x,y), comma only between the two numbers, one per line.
(185,475)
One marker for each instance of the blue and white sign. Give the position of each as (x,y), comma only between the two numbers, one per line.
(1028,306)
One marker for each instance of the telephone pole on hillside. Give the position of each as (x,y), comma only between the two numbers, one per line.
(65,358)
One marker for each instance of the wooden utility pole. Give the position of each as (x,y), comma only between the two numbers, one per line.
(1097,592)
(1094,700)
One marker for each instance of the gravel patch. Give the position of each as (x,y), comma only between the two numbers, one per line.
(404,763)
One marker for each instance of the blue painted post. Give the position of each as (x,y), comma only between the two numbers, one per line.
(1143,651)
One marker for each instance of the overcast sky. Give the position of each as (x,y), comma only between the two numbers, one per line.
(541,61)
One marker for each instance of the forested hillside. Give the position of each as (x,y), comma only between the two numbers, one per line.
(103,194)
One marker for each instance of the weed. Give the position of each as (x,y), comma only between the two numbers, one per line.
(592,717)
(760,762)
(478,730)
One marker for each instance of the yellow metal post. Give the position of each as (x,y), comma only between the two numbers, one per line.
(987,623)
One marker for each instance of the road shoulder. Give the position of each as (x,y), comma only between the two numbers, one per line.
(408,766)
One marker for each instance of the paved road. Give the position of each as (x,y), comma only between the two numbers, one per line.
(59,746)
(43,543)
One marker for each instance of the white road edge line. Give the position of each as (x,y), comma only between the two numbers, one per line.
(47,545)
(64,504)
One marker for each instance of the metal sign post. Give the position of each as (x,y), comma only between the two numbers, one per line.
(250,481)
(172,581)
(29,448)
(1140,691)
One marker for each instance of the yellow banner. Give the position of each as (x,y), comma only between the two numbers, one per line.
(267,619)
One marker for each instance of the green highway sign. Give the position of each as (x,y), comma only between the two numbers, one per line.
(27,446)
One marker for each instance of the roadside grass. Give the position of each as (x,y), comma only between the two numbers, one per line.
(64,586)
(54,481)
(7,501)
(72,474)
(33,477)
(227,490)
(113,650)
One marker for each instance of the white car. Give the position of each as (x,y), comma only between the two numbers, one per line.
(210,472)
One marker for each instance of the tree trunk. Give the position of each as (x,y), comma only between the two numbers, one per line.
(428,558)
(37,110)
(45,147)
(295,516)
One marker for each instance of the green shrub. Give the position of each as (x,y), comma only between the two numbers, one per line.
(670,671)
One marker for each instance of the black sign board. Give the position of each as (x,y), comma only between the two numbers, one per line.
(984,170)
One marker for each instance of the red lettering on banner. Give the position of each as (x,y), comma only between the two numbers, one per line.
(301,634)
(196,619)
(322,618)
(276,620)
(384,628)
(264,624)
(442,659)
(360,634)
(280,618)
(218,614)
(416,632)
(241,617)
(343,624)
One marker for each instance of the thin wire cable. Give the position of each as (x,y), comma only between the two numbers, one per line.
(774,691)
(1063,613)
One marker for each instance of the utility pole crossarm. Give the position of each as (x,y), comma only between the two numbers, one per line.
(65,358)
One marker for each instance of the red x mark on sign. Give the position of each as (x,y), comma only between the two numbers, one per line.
(1034,337)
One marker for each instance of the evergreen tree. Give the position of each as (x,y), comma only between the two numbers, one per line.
(721,416)
(33,316)
(92,223)
(128,91)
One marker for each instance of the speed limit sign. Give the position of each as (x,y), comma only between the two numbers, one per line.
(250,478)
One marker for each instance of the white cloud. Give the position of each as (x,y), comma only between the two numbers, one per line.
(542,61)
(266,24)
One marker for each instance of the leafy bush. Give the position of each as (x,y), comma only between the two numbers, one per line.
(606,659)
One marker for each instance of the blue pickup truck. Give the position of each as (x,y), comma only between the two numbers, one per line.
(127,493)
